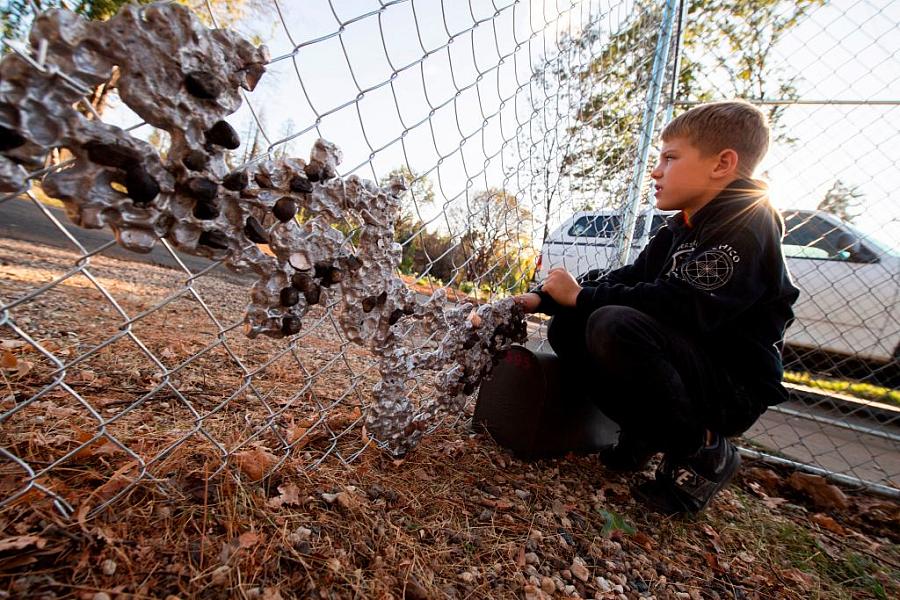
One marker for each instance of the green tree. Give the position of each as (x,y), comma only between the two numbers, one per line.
(728,49)
(495,240)
(419,193)
(841,200)
(420,247)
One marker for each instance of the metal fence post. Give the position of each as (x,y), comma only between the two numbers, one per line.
(648,127)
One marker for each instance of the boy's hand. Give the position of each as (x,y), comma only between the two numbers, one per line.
(561,286)
(529,302)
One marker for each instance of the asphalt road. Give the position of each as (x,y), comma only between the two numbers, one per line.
(24,220)
(829,446)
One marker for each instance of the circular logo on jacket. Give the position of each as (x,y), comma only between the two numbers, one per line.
(710,270)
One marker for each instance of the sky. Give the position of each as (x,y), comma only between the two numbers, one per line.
(848,50)
(444,86)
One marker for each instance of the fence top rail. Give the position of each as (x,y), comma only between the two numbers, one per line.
(800,102)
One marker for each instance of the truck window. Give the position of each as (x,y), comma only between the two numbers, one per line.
(811,236)
(655,225)
(595,226)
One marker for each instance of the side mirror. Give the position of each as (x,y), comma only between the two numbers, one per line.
(850,246)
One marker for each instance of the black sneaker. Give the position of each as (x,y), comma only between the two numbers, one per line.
(688,485)
(628,455)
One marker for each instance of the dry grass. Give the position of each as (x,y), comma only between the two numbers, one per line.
(246,473)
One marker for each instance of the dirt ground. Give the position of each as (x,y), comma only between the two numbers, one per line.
(199,463)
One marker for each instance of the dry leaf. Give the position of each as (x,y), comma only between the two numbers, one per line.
(799,577)
(12,344)
(826,522)
(289,494)
(713,537)
(248,539)
(520,558)
(23,368)
(712,561)
(254,463)
(8,360)
(121,479)
(22,541)
(817,489)
(767,478)
(643,540)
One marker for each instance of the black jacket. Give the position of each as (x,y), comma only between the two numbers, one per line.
(720,278)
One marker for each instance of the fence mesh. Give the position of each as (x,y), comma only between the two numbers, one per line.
(826,74)
(505,119)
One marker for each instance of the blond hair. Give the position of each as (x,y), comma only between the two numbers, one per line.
(717,126)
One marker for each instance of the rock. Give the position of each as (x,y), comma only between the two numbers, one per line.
(289,296)
(569,590)
(213,239)
(112,154)
(579,569)
(101,596)
(547,585)
(603,584)
(206,210)
(223,134)
(532,593)
(291,325)
(767,478)
(300,184)
(531,558)
(195,160)
(141,186)
(343,499)
(299,535)
(523,494)
(108,567)
(236,181)
(202,188)
(816,488)
(255,232)
(285,209)
(204,85)
(467,578)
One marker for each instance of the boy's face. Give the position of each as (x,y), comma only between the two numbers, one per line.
(684,177)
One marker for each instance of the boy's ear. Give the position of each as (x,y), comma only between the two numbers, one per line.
(726,165)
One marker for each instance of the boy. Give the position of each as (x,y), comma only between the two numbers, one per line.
(684,345)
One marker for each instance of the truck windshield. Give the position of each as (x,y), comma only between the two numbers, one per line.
(595,226)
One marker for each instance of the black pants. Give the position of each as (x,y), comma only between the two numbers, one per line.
(653,380)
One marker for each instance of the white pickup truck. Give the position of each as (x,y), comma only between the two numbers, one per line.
(849,282)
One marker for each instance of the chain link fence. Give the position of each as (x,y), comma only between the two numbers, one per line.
(827,75)
(509,121)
